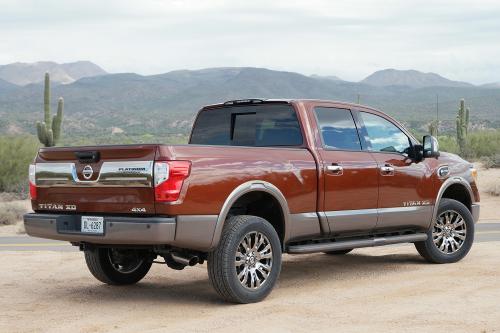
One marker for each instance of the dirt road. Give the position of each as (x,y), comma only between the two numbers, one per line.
(387,289)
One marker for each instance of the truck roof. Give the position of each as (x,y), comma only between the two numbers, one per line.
(285,100)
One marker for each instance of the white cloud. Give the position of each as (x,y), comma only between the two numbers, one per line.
(351,39)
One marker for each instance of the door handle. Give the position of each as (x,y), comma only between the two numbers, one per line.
(335,169)
(387,170)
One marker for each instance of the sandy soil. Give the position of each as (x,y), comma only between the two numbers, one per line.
(490,205)
(387,289)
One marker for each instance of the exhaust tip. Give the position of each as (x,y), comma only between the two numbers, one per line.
(189,260)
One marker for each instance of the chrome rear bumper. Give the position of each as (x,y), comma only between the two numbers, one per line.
(187,231)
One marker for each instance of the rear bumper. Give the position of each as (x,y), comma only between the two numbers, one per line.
(192,232)
(475,208)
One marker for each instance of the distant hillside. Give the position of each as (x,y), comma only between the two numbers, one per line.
(491,85)
(327,77)
(26,73)
(410,78)
(166,103)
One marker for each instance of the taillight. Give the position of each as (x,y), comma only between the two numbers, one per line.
(168,179)
(32,181)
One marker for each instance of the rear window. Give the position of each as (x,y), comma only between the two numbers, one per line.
(263,125)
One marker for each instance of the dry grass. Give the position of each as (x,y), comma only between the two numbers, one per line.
(11,212)
(11,196)
(493,188)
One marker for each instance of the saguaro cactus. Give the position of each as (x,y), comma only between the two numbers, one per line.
(462,126)
(49,130)
(433,128)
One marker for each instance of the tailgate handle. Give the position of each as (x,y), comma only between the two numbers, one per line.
(88,156)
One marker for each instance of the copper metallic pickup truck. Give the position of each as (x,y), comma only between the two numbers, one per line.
(258,178)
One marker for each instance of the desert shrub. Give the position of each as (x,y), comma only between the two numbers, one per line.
(16,153)
(493,188)
(490,161)
(484,143)
(11,212)
(448,144)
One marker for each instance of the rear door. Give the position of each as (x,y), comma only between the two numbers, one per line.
(350,174)
(104,179)
(405,197)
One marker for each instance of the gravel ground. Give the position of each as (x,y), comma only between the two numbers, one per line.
(389,289)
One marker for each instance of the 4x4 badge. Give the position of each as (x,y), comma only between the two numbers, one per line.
(87,172)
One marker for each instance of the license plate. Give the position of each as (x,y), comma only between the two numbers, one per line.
(92,225)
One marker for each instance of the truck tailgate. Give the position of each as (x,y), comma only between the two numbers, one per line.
(110,179)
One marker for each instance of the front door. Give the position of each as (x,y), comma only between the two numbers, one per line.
(350,175)
(405,197)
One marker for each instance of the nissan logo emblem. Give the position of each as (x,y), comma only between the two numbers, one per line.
(87,172)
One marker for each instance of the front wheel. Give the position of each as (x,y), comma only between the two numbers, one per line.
(247,262)
(451,234)
(117,266)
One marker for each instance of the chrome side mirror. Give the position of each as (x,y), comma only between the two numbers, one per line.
(430,147)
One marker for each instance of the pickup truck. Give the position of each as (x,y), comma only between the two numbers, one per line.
(258,178)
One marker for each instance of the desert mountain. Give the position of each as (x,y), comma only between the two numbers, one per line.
(26,73)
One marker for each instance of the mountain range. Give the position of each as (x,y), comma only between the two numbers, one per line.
(22,74)
(100,103)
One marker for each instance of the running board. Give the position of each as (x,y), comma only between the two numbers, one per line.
(353,244)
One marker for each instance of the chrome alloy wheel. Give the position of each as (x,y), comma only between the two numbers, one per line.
(254,260)
(449,232)
(124,261)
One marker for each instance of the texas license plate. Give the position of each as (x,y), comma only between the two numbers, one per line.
(92,225)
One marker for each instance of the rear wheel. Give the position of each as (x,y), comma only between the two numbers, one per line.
(246,264)
(117,266)
(339,252)
(451,234)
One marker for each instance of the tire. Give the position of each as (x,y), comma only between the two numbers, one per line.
(437,249)
(223,268)
(117,266)
(339,252)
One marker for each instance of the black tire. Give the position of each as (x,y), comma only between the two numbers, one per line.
(221,262)
(339,252)
(430,251)
(134,265)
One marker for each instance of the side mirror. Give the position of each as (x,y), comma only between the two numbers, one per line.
(430,147)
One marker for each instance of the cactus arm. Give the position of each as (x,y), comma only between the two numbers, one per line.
(41,132)
(50,138)
(467,111)
(57,121)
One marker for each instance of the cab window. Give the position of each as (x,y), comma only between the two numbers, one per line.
(383,136)
(337,129)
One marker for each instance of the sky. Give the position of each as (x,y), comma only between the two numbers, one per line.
(349,39)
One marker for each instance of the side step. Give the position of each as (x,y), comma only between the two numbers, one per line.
(354,243)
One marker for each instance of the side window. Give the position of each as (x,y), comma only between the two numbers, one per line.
(337,128)
(384,136)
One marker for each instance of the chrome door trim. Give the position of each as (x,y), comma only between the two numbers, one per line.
(365,219)
(334,169)
(112,174)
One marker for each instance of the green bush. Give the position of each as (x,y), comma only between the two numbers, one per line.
(480,144)
(16,153)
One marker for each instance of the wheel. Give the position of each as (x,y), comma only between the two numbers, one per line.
(451,234)
(117,266)
(339,252)
(247,262)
